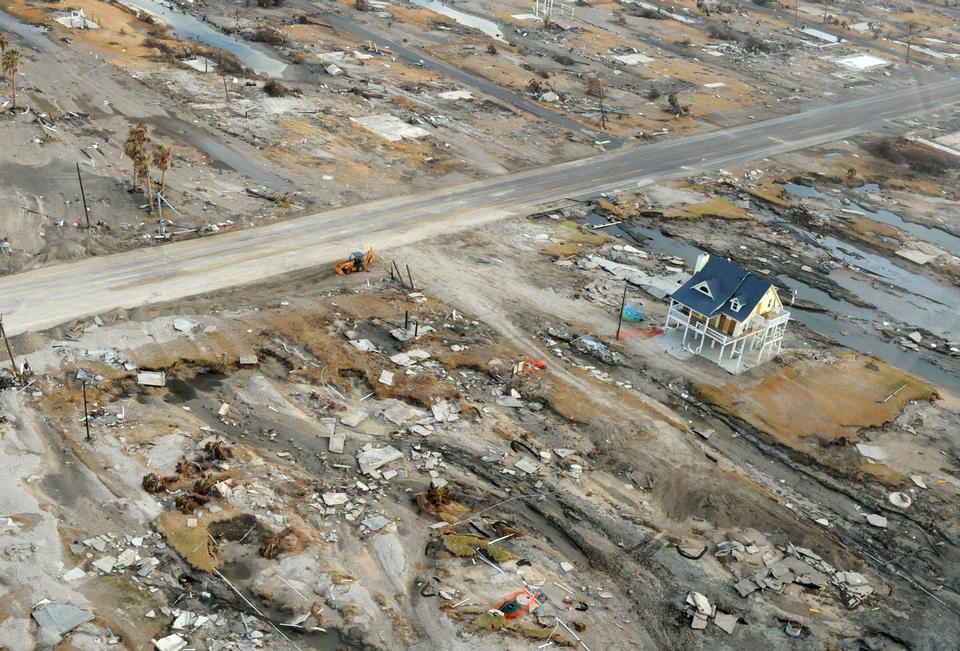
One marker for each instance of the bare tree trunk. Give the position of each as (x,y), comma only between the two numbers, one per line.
(163,183)
(13,87)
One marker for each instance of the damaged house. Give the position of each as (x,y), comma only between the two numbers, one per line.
(737,312)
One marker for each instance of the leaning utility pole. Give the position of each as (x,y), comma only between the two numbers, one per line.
(86,417)
(86,211)
(13,361)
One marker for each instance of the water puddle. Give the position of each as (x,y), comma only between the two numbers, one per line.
(190,28)
(467,20)
(855,332)
(31,35)
(941,238)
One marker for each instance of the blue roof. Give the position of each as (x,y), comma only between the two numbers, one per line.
(711,290)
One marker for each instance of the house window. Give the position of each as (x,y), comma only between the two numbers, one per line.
(703,288)
(735,304)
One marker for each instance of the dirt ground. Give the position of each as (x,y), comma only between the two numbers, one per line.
(471,458)
(378,559)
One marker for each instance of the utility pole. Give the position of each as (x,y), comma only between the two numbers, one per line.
(13,361)
(603,115)
(86,211)
(623,304)
(161,227)
(223,75)
(909,40)
(86,418)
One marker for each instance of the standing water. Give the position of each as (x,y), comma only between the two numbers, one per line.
(190,28)
(488,27)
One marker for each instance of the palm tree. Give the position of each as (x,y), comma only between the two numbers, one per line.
(161,160)
(11,60)
(135,147)
(141,167)
(3,50)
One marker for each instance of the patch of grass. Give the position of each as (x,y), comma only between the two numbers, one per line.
(557,251)
(465,546)
(574,233)
(718,208)
(192,543)
(883,473)
(811,401)
(771,193)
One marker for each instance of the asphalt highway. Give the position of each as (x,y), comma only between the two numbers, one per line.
(53,295)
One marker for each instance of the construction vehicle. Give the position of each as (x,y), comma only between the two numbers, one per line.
(356,262)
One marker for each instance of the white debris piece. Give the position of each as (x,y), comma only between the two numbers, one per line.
(369,459)
(363,345)
(877,520)
(386,377)
(152,378)
(105,564)
(390,127)
(900,499)
(632,59)
(170,643)
(528,465)
(874,452)
(335,499)
(353,418)
(184,325)
(455,94)
(74,574)
(918,480)
(862,61)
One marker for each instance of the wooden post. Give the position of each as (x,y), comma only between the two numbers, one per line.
(83,195)
(13,361)
(416,329)
(623,304)
(406,320)
(86,418)
(399,275)
(410,278)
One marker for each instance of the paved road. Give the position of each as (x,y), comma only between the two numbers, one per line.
(53,295)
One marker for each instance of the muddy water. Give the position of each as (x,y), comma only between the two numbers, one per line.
(859,328)
(190,28)
(467,20)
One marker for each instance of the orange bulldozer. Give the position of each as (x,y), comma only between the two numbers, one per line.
(356,262)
